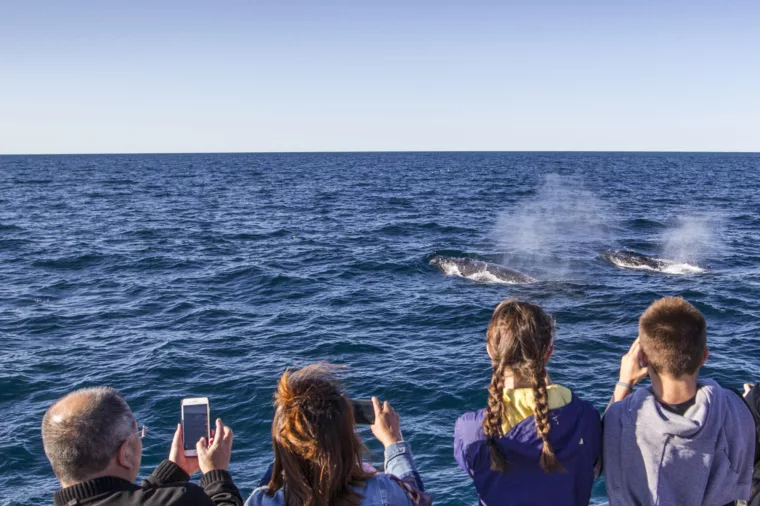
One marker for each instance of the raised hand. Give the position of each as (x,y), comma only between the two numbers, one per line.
(633,367)
(387,426)
(215,454)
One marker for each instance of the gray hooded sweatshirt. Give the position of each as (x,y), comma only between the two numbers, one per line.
(653,456)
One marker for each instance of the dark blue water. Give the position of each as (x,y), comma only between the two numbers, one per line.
(169,276)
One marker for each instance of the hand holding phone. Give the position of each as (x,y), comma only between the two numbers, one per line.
(177,454)
(195,423)
(216,455)
(387,426)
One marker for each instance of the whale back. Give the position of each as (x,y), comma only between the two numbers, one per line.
(479,270)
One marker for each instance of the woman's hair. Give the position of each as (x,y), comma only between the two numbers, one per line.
(317,453)
(519,338)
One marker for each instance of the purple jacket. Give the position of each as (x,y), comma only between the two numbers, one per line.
(576,437)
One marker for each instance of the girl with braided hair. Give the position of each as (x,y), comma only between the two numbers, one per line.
(536,443)
(318,454)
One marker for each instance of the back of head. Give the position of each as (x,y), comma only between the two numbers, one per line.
(519,338)
(83,431)
(673,336)
(317,452)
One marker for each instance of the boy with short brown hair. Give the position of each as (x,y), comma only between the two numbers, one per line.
(684,440)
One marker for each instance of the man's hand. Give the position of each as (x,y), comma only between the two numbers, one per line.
(632,370)
(215,454)
(387,426)
(747,388)
(177,454)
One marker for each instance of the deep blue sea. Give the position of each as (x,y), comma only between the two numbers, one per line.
(171,276)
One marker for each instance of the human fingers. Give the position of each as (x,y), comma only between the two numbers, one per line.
(219,434)
(377,406)
(201,447)
(177,440)
(175,451)
(387,406)
(747,388)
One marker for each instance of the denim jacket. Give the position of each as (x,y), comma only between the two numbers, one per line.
(380,490)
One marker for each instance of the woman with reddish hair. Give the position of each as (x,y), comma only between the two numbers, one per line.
(318,455)
(536,443)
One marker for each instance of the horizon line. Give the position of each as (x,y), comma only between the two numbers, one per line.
(375,152)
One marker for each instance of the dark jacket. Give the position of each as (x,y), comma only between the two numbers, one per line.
(753,400)
(167,486)
(576,437)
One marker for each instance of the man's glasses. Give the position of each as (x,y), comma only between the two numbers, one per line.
(141,433)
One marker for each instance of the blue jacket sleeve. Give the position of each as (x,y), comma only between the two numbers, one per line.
(400,463)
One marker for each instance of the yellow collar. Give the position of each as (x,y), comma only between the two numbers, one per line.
(520,403)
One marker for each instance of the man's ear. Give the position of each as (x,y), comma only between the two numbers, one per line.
(705,356)
(125,455)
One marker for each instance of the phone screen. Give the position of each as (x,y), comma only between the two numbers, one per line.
(364,411)
(194,424)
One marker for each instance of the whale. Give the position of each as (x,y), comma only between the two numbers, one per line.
(633,260)
(479,271)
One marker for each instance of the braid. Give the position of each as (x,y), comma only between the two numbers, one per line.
(549,462)
(492,423)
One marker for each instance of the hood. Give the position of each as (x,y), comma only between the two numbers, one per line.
(702,421)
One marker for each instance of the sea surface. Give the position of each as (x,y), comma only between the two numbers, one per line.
(171,276)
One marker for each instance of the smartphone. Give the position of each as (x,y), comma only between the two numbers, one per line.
(196,414)
(364,411)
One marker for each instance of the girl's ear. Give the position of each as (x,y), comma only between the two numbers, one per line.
(549,353)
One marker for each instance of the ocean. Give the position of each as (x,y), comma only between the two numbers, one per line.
(171,276)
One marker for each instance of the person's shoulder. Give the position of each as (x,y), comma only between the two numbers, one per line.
(259,497)
(385,486)
(586,407)
(171,494)
(469,427)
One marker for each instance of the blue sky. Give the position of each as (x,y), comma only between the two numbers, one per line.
(210,76)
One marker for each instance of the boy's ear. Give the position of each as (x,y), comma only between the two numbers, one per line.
(643,360)
(705,356)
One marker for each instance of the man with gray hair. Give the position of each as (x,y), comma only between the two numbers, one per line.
(93,443)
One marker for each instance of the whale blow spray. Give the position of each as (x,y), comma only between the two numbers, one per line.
(561,222)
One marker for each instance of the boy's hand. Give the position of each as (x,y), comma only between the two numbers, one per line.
(747,388)
(633,368)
